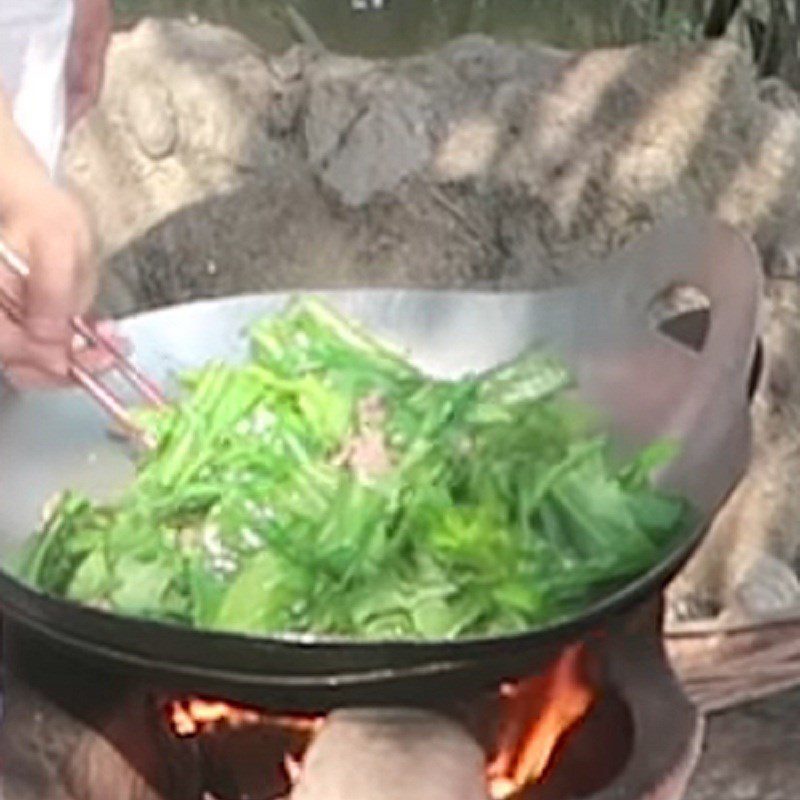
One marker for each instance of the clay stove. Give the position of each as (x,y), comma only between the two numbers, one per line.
(607,721)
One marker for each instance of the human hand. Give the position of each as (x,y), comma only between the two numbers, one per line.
(91,33)
(47,227)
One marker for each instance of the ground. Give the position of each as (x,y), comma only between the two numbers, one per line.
(752,753)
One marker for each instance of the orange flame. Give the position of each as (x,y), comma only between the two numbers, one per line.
(194,716)
(541,711)
(293,767)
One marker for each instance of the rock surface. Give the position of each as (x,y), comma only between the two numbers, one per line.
(212,169)
(752,753)
(396,754)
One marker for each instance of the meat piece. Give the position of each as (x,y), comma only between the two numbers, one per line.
(366,452)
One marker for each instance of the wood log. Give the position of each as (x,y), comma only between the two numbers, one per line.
(723,664)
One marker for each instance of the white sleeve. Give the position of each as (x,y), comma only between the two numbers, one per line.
(34,35)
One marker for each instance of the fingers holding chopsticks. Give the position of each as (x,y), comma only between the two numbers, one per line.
(48,233)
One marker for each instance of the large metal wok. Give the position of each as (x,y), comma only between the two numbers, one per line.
(646,383)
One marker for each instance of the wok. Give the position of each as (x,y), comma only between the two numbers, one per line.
(646,384)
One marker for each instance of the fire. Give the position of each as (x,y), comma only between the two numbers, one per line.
(195,716)
(293,767)
(539,713)
(536,715)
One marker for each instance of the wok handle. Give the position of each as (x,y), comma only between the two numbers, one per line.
(724,265)
(713,419)
(652,386)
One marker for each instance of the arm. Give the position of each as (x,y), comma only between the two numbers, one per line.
(47,227)
(91,33)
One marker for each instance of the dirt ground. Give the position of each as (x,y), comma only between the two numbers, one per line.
(752,753)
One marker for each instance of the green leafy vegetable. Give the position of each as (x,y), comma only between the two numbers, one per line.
(329,487)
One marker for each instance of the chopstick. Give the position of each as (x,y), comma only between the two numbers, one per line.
(92,337)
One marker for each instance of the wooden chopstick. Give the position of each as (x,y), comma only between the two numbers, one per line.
(98,391)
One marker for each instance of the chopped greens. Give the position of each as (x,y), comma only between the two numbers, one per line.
(329,487)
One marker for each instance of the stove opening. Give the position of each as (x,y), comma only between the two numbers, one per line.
(551,728)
